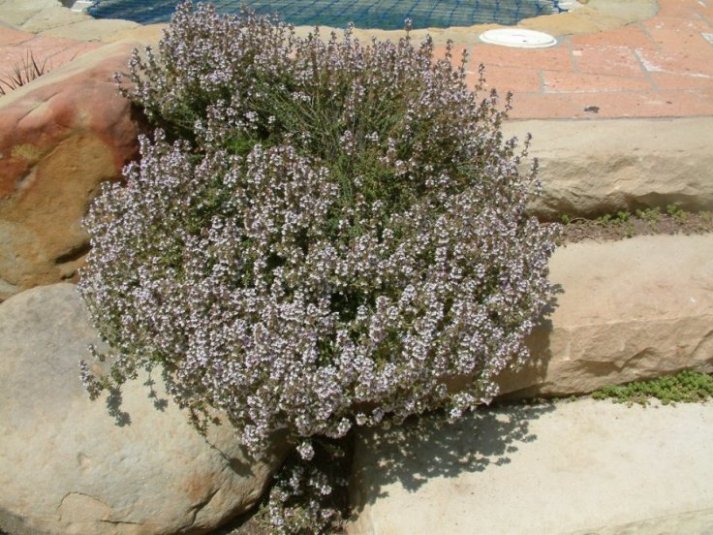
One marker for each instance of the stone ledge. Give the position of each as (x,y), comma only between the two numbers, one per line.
(576,467)
(631,309)
(592,167)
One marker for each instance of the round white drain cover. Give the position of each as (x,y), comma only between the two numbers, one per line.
(519,38)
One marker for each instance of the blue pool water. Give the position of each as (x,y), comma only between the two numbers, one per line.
(384,14)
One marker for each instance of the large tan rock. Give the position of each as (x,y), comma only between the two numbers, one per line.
(631,309)
(54,18)
(60,137)
(581,467)
(66,467)
(592,167)
(18,12)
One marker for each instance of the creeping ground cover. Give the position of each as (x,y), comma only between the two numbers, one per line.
(320,234)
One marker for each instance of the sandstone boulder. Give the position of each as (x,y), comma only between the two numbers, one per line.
(54,18)
(593,167)
(67,467)
(631,309)
(18,12)
(60,137)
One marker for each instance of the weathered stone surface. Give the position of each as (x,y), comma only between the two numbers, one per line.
(54,18)
(591,167)
(579,467)
(10,36)
(631,309)
(17,12)
(48,52)
(146,34)
(60,137)
(89,29)
(66,467)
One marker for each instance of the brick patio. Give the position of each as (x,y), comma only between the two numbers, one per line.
(661,67)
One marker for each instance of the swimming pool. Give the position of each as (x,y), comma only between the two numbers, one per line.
(383,14)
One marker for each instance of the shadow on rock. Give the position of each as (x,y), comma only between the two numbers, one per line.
(430,448)
(527,380)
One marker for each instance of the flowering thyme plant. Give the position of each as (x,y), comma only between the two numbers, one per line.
(321,234)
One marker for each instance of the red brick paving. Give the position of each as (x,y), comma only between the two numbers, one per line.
(661,67)
(607,60)
(516,79)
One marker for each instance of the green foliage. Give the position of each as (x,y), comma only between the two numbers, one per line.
(676,212)
(621,217)
(687,386)
(650,215)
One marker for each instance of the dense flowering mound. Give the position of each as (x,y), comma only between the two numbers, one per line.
(321,234)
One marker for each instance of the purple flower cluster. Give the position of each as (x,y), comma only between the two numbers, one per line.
(323,233)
